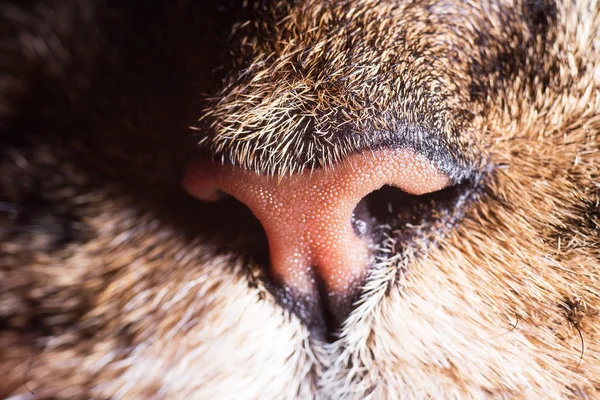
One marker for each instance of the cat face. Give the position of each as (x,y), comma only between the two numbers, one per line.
(404,199)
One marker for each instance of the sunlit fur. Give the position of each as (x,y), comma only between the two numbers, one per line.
(111,288)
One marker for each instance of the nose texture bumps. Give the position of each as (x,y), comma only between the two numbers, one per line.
(308,217)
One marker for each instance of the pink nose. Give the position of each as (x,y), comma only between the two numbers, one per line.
(307,217)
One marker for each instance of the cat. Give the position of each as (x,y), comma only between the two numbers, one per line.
(140,258)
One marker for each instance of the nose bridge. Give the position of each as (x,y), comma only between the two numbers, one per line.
(307,217)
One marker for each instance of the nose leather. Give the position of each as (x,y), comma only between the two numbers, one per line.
(307,217)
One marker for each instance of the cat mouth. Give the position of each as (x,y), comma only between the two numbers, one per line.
(290,226)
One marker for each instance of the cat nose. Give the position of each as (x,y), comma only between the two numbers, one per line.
(308,217)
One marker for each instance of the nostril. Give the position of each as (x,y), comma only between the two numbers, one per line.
(318,223)
(409,218)
(391,209)
(361,220)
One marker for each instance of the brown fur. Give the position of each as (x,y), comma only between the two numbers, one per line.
(115,284)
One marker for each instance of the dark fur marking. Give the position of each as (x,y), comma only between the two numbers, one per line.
(540,15)
(510,56)
(581,230)
(40,219)
(575,312)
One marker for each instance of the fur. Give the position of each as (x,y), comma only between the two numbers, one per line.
(115,284)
